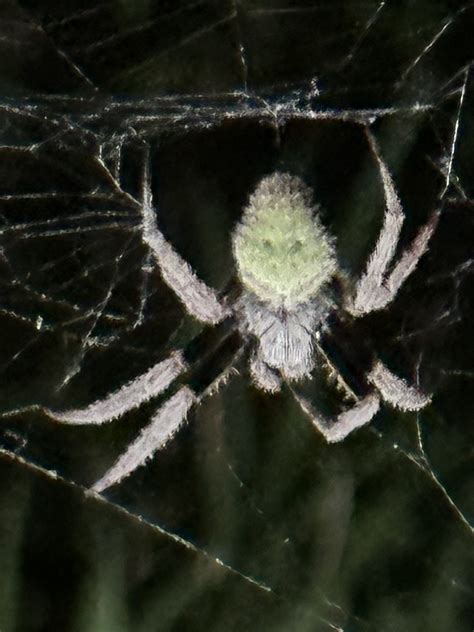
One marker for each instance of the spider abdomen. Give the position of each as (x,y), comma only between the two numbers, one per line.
(283,253)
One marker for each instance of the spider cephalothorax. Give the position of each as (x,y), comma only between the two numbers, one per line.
(285,260)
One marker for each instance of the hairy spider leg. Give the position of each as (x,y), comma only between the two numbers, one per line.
(129,396)
(376,288)
(203,352)
(337,429)
(142,388)
(199,300)
(390,388)
(164,424)
(172,414)
(395,390)
(264,377)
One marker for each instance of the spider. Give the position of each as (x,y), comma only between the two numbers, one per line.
(285,260)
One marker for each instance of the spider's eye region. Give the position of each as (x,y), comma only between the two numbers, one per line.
(282,250)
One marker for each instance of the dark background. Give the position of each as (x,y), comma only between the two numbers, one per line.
(248,520)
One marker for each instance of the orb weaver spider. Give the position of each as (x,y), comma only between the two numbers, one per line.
(285,260)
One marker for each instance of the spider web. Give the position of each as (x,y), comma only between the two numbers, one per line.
(248,503)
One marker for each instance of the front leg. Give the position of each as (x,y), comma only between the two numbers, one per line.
(199,299)
(377,287)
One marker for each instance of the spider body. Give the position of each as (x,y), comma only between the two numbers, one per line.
(285,262)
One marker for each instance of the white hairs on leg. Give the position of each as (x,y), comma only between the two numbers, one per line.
(164,424)
(375,289)
(346,422)
(396,391)
(199,299)
(130,396)
(263,376)
(370,293)
(411,256)
(392,223)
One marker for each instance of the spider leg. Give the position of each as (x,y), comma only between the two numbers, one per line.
(375,288)
(395,390)
(410,256)
(164,424)
(263,376)
(200,300)
(206,379)
(129,396)
(336,430)
(150,384)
